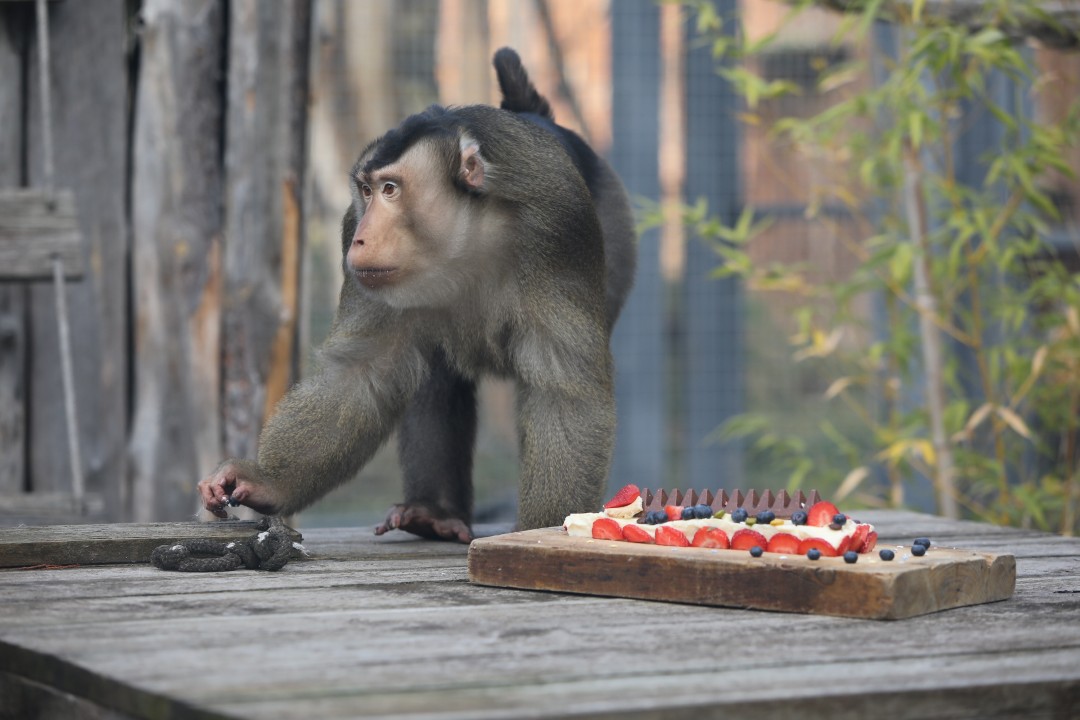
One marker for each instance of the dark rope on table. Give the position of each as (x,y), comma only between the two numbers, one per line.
(269,549)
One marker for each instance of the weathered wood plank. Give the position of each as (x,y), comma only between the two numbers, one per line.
(177,225)
(264,153)
(101,544)
(548,559)
(413,649)
(387,627)
(13,24)
(36,227)
(22,698)
(88,44)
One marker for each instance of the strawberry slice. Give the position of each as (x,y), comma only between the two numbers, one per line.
(747,538)
(666,535)
(783,543)
(711,537)
(844,546)
(634,533)
(871,541)
(606,529)
(821,513)
(624,497)
(825,548)
(858,539)
(674,512)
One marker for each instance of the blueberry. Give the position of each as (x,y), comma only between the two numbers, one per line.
(766,516)
(756,551)
(834,526)
(655,517)
(687,513)
(739,515)
(918,550)
(839,518)
(813,554)
(924,541)
(851,557)
(798,517)
(887,554)
(702,511)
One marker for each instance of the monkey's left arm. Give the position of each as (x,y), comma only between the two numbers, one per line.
(328,426)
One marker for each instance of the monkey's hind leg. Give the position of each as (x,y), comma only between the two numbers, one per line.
(435,447)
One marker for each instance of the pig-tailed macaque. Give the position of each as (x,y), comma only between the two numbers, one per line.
(479,241)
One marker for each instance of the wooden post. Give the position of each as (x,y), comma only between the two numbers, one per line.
(264,162)
(177,222)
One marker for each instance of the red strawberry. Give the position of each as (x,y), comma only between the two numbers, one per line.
(859,538)
(825,548)
(844,546)
(871,541)
(746,538)
(670,536)
(635,533)
(710,537)
(606,529)
(624,497)
(821,514)
(783,543)
(674,512)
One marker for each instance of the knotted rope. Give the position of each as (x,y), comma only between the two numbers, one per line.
(268,550)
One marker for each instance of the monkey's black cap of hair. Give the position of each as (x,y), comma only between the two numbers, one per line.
(435,122)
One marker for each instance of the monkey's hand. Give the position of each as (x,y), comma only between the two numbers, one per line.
(236,482)
(426,522)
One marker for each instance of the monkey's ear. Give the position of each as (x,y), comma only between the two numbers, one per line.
(473,166)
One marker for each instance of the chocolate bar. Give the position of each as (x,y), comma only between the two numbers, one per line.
(783,504)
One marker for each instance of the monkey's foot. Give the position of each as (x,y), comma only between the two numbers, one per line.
(426,522)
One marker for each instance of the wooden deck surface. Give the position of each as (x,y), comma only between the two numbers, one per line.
(390,627)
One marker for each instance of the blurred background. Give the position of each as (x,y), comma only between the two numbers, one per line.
(206,145)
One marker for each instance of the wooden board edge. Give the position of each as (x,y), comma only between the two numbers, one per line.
(549,561)
(99,549)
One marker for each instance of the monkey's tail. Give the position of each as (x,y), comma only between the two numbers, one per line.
(519,94)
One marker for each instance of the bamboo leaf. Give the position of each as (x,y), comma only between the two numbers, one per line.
(1037,363)
(838,386)
(916,10)
(977,418)
(851,483)
(1014,421)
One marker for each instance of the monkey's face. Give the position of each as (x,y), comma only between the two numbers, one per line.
(420,239)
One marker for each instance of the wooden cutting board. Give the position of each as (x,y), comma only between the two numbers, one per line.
(548,559)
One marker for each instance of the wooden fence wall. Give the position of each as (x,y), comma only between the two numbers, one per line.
(181,129)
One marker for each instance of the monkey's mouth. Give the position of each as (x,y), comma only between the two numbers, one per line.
(375,277)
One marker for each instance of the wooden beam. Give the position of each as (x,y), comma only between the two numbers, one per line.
(36,226)
(109,544)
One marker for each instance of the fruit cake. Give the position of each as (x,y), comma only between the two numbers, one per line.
(792,524)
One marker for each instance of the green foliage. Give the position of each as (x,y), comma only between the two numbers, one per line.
(1004,302)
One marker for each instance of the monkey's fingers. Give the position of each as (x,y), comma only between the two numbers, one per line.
(211,501)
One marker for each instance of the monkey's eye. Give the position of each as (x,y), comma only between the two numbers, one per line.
(365,190)
(389,189)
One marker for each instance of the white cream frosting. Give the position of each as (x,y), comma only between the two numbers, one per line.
(626,511)
(580,525)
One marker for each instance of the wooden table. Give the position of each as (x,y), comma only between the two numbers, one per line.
(391,627)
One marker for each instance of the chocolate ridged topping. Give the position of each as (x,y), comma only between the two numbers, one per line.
(781,503)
